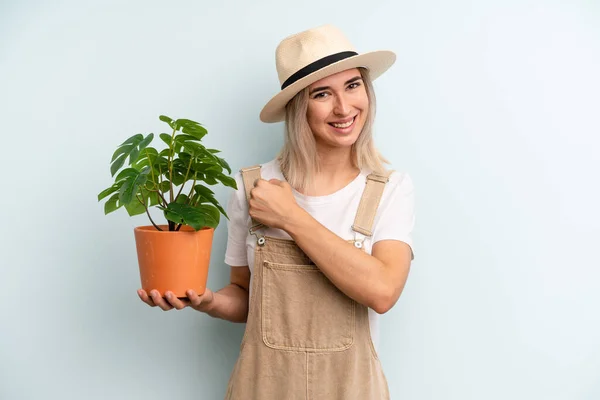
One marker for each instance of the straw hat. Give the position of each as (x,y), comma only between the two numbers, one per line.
(309,56)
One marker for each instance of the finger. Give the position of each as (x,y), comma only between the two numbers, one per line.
(196,300)
(159,301)
(276,182)
(175,302)
(145,298)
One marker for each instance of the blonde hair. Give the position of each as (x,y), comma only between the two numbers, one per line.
(299,159)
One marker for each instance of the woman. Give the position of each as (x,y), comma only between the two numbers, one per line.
(319,239)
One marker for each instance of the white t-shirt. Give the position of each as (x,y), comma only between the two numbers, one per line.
(394,220)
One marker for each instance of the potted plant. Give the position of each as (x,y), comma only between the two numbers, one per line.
(173,256)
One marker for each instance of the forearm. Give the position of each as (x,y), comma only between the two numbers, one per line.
(230,303)
(359,275)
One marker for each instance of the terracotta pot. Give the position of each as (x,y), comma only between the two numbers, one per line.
(175,261)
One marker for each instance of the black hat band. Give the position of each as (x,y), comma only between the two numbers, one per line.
(317,65)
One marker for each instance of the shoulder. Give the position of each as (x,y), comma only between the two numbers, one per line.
(398,180)
(399,186)
(268,170)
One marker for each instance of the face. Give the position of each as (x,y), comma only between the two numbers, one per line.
(337,109)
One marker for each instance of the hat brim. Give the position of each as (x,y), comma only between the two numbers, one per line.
(377,62)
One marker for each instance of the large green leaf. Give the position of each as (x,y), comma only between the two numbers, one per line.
(224,179)
(212,211)
(166,119)
(196,217)
(203,190)
(182,138)
(114,188)
(133,156)
(132,185)
(227,181)
(127,145)
(136,207)
(166,138)
(164,186)
(126,174)
(129,148)
(224,164)
(192,128)
(117,164)
(213,201)
(112,204)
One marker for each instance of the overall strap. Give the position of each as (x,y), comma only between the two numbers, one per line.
(249,176)
(369,202)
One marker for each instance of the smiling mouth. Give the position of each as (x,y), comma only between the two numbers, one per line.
(344,125)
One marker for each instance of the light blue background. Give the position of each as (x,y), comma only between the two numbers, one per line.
(492,108)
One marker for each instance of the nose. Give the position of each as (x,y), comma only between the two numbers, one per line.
(341,106)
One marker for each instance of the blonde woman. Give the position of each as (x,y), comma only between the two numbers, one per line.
(320,238)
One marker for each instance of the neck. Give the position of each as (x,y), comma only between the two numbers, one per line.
(336,170)
(335,162)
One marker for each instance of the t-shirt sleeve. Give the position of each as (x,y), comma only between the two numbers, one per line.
(237,226)
(395,218)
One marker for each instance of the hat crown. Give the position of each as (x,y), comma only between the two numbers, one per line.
(299,50)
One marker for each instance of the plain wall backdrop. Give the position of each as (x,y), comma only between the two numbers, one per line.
(492,107)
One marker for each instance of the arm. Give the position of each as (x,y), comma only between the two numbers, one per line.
(375,280)
(231,302)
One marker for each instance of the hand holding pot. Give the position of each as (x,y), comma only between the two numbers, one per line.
(200,303)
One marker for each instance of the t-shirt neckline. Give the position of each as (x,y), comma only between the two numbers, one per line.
(329,198)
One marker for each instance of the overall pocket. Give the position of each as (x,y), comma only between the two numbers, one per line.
(302,310)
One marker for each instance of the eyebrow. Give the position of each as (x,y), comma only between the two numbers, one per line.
(318,89)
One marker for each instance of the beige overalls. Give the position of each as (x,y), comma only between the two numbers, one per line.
(305,339)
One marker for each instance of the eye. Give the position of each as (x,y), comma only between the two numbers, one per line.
(320,95)
(353,85)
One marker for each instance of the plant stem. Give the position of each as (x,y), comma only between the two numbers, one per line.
(147,212)
(170,163)
(185,179)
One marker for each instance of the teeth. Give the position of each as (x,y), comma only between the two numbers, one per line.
(347,124)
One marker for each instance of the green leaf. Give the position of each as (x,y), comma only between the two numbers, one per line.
(227,181)
(131,186)
(224,164)
(182,138)
(203,190)
(130,148)
(214,151)
(127,173)
(117,164)
(165,186)
(133,157)
(195,217)
(166,119)
(213,212)
(106,192)
(112,204)
(135,208)
(182,199)
(127,145)
(210,180)
(166,138)
(213,201)
(164,152)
